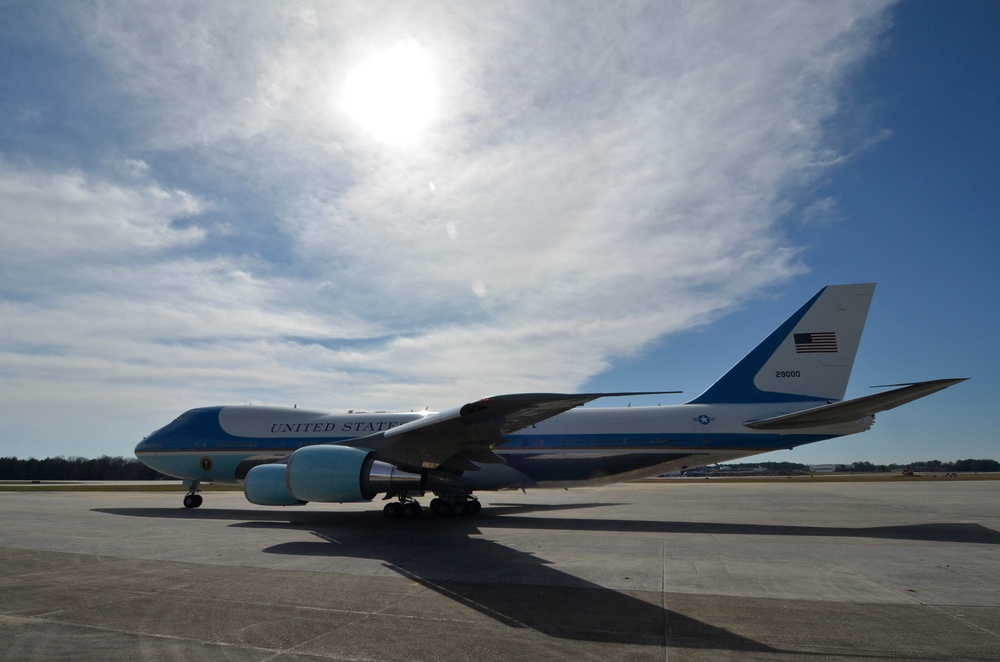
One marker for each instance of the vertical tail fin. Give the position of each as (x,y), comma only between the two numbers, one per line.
(809,357)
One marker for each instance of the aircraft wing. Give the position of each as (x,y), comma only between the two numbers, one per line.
(852,410)
(456,438)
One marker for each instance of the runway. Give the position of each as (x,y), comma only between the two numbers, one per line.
(677,571)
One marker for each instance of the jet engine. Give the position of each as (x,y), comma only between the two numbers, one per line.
(329,474)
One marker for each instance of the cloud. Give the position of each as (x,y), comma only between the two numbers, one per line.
(821,211)
(66,215)
(592,179)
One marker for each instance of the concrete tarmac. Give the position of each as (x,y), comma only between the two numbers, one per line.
(677,571)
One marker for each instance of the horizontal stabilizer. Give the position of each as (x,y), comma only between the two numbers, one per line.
(852,410)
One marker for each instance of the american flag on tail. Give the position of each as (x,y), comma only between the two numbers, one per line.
(822,342)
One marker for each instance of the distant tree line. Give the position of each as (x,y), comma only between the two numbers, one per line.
(76,468)
(122,468)
(977,466)
(934,466)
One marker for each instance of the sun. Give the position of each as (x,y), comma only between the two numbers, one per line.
(391,95)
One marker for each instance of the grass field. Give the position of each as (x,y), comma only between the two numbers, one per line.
(833,478)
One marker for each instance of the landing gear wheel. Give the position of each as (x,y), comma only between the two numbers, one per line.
(410,510)
(392,510)
(192,499)
(456,506)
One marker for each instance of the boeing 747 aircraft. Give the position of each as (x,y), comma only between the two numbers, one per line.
(787,392)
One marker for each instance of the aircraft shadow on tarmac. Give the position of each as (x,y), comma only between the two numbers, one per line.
(519,589)
(508,516)
(516,588)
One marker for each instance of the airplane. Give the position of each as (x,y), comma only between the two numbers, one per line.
(788,391)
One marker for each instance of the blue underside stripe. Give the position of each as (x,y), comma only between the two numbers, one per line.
(654,441)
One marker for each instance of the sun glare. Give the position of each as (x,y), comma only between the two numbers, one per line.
(391,94)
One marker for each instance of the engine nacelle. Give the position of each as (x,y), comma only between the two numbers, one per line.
(265,485)
(328,473)
(343,474)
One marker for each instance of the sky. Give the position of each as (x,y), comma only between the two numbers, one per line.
(408,205)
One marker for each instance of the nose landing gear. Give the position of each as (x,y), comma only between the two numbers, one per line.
(192,499)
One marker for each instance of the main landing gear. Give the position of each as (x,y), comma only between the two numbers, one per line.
(444,506)
(449,505)
(406,507)
(192,499)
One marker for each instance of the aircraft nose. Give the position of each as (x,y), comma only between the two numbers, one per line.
(150,441)
(142,445)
